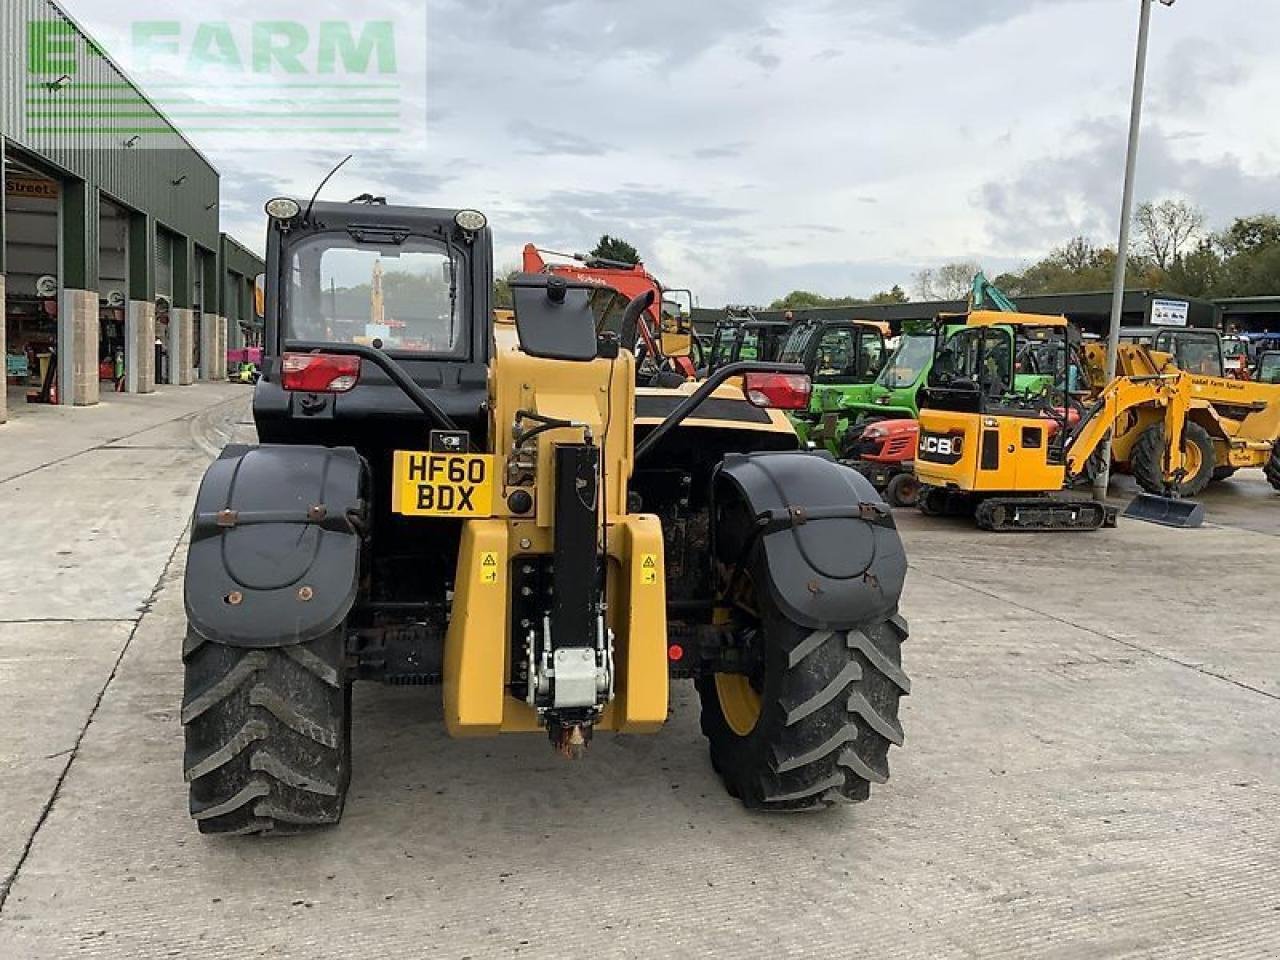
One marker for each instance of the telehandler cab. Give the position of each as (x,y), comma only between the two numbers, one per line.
(740,335)
(496,508)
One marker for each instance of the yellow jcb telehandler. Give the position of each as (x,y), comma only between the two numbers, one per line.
(498,510)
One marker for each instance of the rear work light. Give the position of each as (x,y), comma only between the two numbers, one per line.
(319,372)
(781,391)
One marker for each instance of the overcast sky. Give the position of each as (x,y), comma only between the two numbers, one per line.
(748,148)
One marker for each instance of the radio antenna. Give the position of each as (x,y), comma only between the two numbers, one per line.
(316,195)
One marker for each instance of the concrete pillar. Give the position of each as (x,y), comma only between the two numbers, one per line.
(173,347)
(140,347)
(182,328)
(216,353)
(208,347)
(78,348)
(4,383)
(223,344)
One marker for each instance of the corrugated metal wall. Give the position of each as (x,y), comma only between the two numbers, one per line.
(164,263)
(239,268)
(162,174)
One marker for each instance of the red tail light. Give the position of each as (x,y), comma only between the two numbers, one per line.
(782,391)
(319,372)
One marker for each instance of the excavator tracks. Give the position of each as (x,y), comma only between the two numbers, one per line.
(1042,514)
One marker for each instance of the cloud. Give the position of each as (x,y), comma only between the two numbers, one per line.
(1077,192)
(817,144)
(762,58)
(631,209)
(666,32)
(931,20)
(1197,72)
(721,152)
(549,142)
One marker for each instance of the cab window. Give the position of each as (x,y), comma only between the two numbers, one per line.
(977,357)
(407,296)
(795,346)
(1196,353)
(1269,368)
(848,355)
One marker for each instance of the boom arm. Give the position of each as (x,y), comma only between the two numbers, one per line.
(1171,391)
(984,290)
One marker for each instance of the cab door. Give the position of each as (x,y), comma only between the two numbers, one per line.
(845,355)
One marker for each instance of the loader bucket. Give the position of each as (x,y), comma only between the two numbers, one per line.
(1167,511)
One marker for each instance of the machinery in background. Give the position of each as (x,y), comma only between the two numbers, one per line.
(843,358)
(1231,425)
(1268,370)
(668,350)
(884,452)
(895,392)
(1006,454)
(1235,358)
(740,336)
(244,365)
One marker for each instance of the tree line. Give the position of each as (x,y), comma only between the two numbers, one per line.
(1172,250)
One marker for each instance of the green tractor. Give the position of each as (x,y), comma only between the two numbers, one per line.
(843,358)
(894,394)
(740,336)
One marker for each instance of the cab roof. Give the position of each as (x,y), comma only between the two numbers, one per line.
(997,318)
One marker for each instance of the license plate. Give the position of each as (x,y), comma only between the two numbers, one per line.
(442,484)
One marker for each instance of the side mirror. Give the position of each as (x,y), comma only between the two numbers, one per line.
(553,319)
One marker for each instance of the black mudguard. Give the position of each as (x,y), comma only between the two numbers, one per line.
(275,544)
(834,554)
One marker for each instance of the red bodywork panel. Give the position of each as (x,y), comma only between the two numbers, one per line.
(1073,417)
(898,445)
(630,283)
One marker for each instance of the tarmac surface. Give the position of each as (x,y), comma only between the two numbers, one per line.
(1092,766)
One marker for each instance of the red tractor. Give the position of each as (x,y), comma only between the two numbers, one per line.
(884,451)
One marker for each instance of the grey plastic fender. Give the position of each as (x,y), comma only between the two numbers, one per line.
(834,555)
(274,558)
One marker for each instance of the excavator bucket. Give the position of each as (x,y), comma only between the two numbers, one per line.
(1167,511)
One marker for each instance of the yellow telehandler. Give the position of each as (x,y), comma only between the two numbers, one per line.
(499,510)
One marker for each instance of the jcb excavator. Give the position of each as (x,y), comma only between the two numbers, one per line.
(986,446)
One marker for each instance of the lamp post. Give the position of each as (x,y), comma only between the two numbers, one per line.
(1103,480)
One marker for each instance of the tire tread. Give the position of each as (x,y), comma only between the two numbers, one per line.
(267,736)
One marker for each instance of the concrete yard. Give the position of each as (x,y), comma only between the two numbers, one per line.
(1092,766)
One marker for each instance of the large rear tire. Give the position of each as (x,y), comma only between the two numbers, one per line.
(811,726)
(268,735)
(1148,460)
(1272,468)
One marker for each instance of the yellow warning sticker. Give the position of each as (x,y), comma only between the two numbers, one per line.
(488,567)
(648,568)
